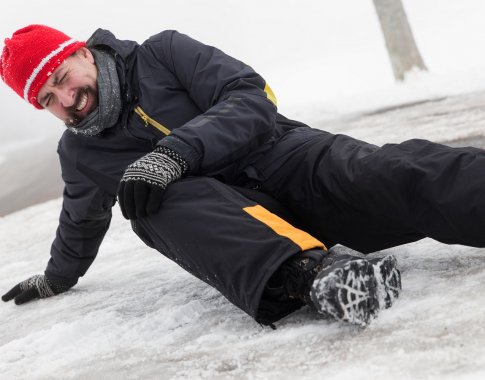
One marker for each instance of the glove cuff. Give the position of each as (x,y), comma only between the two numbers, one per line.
(174,156)
(57,286)
(40,283)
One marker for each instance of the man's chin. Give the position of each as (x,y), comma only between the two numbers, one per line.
(77,120)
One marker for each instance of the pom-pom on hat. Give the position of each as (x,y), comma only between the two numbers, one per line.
(31,56)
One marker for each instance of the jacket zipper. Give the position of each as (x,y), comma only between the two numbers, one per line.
(148,120)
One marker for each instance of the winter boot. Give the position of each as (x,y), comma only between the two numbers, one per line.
(345,287)
(388,279)
(352,289)
(294,278)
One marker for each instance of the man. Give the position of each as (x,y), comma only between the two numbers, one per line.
(190,142)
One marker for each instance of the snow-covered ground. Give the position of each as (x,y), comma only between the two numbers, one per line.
(137,315)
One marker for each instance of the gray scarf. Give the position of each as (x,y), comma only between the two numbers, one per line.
(109,98)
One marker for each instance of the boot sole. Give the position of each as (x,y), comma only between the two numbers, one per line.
(356,291)
(389,280)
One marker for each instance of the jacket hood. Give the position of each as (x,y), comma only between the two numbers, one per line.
(124,51)
(103,37)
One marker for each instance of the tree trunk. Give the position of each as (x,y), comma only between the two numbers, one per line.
(402,49)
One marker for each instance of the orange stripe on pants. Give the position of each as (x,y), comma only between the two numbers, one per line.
(304,240)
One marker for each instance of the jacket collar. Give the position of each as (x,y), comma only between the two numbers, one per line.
(124,52)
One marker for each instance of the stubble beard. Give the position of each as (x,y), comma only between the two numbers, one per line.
(75,117)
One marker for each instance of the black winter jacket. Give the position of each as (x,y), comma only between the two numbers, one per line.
(219,114)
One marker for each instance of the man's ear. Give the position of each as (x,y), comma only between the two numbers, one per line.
(85,53)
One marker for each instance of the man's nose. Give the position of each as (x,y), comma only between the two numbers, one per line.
(66,97)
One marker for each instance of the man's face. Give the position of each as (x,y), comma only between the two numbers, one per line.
(71,92)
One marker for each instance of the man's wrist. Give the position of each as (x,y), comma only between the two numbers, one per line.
(59,285)
(174,156)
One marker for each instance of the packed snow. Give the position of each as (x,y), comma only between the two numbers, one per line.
(135,314)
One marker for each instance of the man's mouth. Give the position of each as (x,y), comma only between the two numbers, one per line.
(86,102)
(83,101)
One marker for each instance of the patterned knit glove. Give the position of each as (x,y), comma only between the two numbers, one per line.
(144,181)
(38,286)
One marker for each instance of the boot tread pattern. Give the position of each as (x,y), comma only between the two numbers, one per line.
(356,290)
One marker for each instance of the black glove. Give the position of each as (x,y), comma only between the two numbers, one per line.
(38,286)
(144,181)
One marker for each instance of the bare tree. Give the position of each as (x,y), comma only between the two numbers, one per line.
(402,49)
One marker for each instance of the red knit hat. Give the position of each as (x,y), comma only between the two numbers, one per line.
(30,57)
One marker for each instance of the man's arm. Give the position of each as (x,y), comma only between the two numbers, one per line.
(83,222)
(238,115)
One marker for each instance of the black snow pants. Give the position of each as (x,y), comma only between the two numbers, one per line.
(227,240)
(369,198)
(337,190)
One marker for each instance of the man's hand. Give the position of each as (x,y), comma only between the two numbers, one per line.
(144,181)
(38,286)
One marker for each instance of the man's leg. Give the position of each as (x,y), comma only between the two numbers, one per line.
(369,198)
(345,287)
(226,240)
(261,263)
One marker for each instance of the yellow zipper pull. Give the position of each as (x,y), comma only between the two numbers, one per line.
(142,115)
(147,120)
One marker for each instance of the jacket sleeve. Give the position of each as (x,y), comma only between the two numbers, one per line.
(237,113)
(83,222)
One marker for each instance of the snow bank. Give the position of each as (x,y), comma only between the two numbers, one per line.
(138,315)
(30,173)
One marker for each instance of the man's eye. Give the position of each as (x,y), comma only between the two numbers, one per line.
(63,78)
